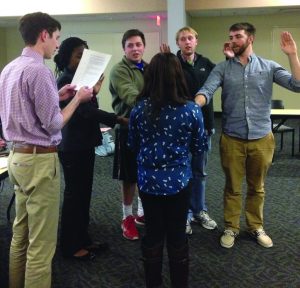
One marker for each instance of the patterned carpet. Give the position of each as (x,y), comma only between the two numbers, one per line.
(245,265)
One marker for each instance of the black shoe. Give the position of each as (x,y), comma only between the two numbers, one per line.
(97,247)
(86,257)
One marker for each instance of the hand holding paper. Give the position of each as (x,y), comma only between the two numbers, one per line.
(90,68)
(98,85)
(66,92)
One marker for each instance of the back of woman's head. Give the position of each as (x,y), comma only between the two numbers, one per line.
(66,48)
(164,82)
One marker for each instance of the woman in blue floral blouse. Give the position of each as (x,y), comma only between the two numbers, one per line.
(164,128)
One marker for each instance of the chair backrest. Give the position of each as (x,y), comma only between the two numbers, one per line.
(277,104)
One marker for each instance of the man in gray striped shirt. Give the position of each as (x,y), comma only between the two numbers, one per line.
(247,143)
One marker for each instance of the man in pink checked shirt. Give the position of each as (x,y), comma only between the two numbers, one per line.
(32,120)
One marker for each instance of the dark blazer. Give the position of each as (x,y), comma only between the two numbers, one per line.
(82,132)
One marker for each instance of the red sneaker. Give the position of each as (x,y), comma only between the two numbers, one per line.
(129,230)
(139,220)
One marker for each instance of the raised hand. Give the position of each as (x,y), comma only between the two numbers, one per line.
(287,43)
(228,52)
(98,85)
(164,48)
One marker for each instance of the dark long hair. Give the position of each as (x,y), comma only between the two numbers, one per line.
(164,83)
(66,48)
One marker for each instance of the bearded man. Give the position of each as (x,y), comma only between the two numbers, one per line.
(247,143)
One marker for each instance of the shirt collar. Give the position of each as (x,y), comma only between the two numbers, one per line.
(140,65)
(185,60)
(250,58)
(29,52)
(132,64)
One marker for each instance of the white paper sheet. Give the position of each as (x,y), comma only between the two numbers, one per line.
(90,68)
(3,162)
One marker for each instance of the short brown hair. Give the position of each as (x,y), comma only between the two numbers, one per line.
(247,27)
(31,25)
(131,33)
(188,29)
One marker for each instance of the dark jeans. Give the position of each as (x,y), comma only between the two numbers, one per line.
(165,217)
(78,168)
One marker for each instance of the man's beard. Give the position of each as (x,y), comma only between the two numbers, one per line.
(241,49)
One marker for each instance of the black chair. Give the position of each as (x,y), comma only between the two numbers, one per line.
(278,127)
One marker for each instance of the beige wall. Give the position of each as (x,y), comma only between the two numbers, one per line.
(2,48)
(213,32)
(59,7)
(14,43)
(193,5)
(102,36)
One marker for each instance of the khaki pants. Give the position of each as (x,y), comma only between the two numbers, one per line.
(239,158)
(37,186)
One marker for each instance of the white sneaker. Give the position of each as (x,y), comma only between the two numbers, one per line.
(188,228)
(227,239)
(262,238)
(204,219)
(108,143)
(101,151)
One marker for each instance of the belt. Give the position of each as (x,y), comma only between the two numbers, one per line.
(30,149)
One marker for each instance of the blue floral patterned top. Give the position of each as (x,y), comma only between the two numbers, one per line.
(163,145)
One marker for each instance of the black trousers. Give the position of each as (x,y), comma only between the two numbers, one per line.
(165,218)
(78,169)
(125,164)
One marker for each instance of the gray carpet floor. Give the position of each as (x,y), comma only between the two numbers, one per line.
(245,265)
